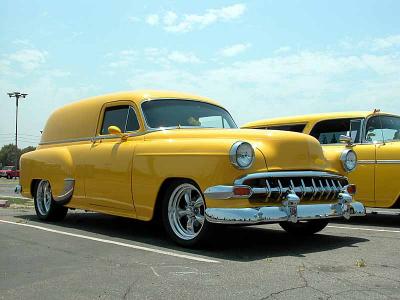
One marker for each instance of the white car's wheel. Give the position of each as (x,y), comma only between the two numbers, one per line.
(183,214)
(46,208)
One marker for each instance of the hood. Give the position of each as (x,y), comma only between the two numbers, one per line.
(282,150)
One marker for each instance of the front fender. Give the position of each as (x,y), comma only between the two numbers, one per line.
(204,161)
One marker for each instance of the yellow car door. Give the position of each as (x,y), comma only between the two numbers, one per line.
(386,134)
(108,181)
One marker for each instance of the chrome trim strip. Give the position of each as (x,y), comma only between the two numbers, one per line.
(276,214)
(93,138)
(388,161)
(263,175)
(65,197)
(366,161)
(67,141)
(379,161)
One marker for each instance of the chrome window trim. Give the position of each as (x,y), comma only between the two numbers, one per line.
(354,118)
(126,119)
(176,127)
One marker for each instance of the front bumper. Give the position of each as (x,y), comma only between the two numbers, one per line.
(289,209)
(274,214)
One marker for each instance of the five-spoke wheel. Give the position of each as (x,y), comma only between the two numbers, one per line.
(45,206)
(183,213)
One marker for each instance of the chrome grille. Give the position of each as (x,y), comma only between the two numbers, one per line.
(308,185)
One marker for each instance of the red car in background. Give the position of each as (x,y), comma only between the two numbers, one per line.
(9,172)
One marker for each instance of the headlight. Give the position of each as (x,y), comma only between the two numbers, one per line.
(349,160)
(242,155)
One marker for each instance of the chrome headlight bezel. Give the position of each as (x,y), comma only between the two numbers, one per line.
(344,158)
(233,154)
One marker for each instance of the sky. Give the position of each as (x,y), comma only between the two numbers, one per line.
(259,59)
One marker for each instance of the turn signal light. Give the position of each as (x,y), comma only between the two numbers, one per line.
(351,189)
(242,191)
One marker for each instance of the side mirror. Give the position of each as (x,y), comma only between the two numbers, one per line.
(117,131)
(345,139)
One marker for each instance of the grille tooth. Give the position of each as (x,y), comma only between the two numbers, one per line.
(313,188)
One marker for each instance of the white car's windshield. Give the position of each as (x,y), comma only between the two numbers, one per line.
(185,113)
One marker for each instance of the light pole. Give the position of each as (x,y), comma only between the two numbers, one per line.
(16,95)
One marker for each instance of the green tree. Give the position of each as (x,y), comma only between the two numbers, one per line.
(27,149)
(10,155)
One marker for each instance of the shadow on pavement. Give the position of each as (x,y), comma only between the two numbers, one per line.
(234,243)
(381,220)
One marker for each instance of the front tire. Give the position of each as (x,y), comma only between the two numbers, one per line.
(183,214)
(46,208)
(304,227)
(9,177)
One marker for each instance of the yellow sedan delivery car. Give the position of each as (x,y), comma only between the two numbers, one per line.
(181,158)
(375,138)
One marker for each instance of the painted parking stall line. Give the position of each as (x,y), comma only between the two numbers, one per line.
(363,229)
(147,249)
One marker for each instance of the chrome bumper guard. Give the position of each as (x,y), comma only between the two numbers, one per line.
(289,211)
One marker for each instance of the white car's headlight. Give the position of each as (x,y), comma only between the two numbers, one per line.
(242,155)
(349,160)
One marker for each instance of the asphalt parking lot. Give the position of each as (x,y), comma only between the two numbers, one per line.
(90,255)
(7,187)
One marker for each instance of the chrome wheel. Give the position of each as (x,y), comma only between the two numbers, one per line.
(186,211)
(44,197)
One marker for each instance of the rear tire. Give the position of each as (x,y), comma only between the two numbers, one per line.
(9,177)
(183,214)
(46,208)
(304,227)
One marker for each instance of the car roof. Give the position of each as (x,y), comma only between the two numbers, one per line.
(311,118)
(140,96)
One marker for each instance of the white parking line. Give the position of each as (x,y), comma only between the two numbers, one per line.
(364,229)
(196,258)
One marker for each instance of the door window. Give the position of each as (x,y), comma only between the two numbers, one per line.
(123,116)
(329,131)
(383,128)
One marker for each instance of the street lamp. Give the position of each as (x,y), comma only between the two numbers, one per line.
(16,95)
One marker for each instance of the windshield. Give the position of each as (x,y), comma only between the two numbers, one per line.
(185,113)
(383,128)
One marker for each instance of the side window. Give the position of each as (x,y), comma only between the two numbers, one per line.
(383,128)
(212,122)
(329,131)
(122,116)
(132,123)
(294,127)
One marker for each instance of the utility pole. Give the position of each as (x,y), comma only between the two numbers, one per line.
(16,95)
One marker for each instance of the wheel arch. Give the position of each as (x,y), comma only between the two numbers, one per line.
(161,192)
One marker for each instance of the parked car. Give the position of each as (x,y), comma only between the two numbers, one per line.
(375,138)
(181,158)
(9,172)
